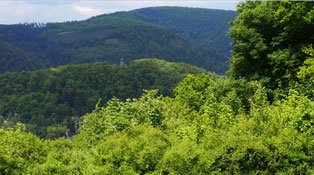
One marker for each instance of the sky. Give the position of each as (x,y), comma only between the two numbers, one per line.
(43,11)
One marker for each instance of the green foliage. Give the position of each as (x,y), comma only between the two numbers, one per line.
(191,90)
(138,151)
(51,101)
(157,135)
(20,152)
(185,157)
(269,43)
(268,140)
(201,90)
(265,139)
(64,157)
(306,74)
(120,116)
(307,71)
(55,131)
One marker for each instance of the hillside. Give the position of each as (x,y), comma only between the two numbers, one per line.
(110,37)
(207,27)
(13,59)
(50,98)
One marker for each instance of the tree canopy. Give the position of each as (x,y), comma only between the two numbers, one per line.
(269,39)
(50,101)
(162,135)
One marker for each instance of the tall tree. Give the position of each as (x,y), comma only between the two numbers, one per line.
(269,39)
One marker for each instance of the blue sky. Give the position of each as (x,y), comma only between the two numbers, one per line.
(15,11)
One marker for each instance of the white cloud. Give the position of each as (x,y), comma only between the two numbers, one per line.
(87,11)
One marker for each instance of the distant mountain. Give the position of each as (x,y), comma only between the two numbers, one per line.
(111,37)
(51,97)
(207,27)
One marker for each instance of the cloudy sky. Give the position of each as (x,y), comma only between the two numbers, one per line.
(15,11)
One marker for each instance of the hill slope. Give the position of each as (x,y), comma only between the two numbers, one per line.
(13,58)
(108,38)
(207,27)
(50,98)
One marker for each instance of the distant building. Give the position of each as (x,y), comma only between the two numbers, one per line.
(121,62)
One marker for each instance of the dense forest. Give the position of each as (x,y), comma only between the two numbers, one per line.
(202,26)
(258,119)
(108,38)
(50,101)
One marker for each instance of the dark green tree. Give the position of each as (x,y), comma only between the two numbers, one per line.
(269,38)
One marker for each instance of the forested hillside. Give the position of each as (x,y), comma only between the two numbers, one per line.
(258,119)
(47,100)
(207,27)
(13,59)
(110,37)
